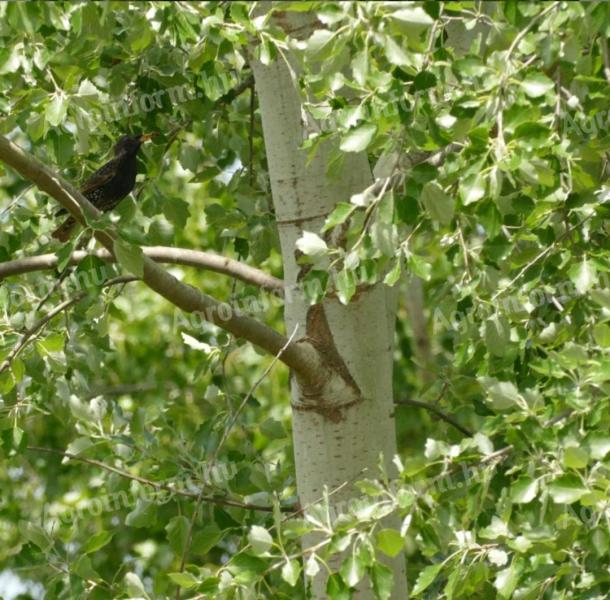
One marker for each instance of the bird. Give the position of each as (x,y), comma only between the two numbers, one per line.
(110,183)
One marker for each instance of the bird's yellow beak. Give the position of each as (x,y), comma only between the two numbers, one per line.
(148,136)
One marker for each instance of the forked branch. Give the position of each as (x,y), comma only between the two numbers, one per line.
(300,356)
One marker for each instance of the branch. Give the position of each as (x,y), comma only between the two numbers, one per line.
(300,356)
(160,254)
(157,485)
(437,411)
(239,89)
(519,37)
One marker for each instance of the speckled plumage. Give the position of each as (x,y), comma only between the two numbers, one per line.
(110,183)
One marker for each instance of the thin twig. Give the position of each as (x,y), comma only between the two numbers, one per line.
(465,252)
(540,256)
(522,34)
(604,44)
(250,392)
(39,325)
(226,432)
(251,136)
(157,485)
(119,390)
(22,193)
(437,411)
(105,586)
(558,418)
(498,455)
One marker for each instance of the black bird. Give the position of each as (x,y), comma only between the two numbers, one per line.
(110,183)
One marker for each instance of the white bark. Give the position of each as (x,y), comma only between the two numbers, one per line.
(342,425)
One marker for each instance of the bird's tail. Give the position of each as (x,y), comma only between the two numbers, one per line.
(62,233)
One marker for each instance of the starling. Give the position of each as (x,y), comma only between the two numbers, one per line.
(110,183)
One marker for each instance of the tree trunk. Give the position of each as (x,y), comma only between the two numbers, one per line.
(342,425)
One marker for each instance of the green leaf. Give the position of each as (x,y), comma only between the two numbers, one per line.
(416,16)
(190,158)
(567,489)
(497,335)
(524,490)
(272,429)
(601,333)
(52,343)
(575,457)
(64,254)
(599,446)
(97,541)
(176,211)
(395,54)
(439,205)
(583,276)
(79,445)
(358,138)
(318,40)
(209,586)
(393,275)
(383,581)
(418,266)
(340,214)
(497,557)
(291,571)
(143,515)
(177,532)
(55,110)
(537,84)
(336,588)
(206,538)
(390,542)
(130,257)
(185,580)
(84,568)
(506,581)
(311,244)
(134,586)
(425,578)
(360,67)
(312,568)
(346,285)
(352,570)
(260,539)
(503,395)
(424,80)
(472,188)
(35,534)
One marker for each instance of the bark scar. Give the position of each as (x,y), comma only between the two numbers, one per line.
(319,335)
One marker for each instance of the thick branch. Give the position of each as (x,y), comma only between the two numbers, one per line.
(300,356)
(160,254)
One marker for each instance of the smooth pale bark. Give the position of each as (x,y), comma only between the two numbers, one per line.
(342,427)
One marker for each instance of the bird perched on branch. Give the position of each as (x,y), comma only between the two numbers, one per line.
(110,183)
